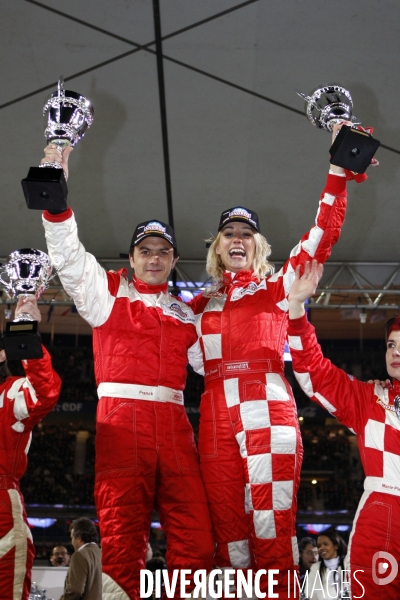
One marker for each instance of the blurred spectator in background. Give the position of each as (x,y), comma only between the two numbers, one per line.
(325,578)
(308,555)
(60,557)
(83,581)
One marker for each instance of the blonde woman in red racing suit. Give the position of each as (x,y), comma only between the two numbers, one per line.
(249,441)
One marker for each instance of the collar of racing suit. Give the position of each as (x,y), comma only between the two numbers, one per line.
(241,278)
(144,288)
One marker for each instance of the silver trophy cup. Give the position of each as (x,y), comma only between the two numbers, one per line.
(37,593)
(328,105)
(68,116)
(28,272)
(354,147)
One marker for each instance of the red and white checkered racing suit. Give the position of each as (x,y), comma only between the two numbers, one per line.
(24,401)
(368,410)
(145,451)
(249,441)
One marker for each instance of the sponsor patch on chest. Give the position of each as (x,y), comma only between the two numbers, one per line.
(250,289)
(390,407)
(175,309)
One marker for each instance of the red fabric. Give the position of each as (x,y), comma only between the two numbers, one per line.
(67,214)
(369,411)
(145,288)
(146,457)
(141,344)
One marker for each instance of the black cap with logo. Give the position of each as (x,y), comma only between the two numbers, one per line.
(153,228)
(239,213)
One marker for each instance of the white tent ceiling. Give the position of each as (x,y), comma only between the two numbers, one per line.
(237,133)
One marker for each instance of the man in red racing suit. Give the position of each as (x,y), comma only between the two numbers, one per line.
(145,451)
(369,410)
(24,401)
(249,440)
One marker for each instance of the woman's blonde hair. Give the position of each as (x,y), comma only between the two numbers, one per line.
(261,266)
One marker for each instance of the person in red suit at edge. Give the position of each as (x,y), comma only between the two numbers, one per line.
(145,450)
(24,401)
(249,440)
(373,413)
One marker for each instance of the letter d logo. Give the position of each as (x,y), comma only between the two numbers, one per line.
(383,567)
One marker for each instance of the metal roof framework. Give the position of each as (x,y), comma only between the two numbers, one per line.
(345,285)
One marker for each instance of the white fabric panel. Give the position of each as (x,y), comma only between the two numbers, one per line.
(275,276)
(27,385)
(282,494)
(14,389)
(381,484)
(212,346)
(150,393)
(255,414)
(283,305)
(241,440)
(264,524)
(231,390)
(20,407)
(375,434)
(311,245)
(239,554)
(195,357)
(288,278)
(283,439)
(295,342)
(295,550)
(28,445)
(248,500)
(215,304)
(111,589)
(260,468)
(80,274)
(197,320)
(276,389)
(22,534)
(328,199)
(18,427)
(325,403)
(305,383)
(392,419)
(296,250)
(391,466)
(2,399)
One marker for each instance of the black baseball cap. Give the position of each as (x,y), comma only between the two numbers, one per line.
(239,213)
(153,228)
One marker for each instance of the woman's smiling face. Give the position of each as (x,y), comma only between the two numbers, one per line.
(236,246)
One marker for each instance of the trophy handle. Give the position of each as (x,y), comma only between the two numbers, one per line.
(304,96)
(6,284)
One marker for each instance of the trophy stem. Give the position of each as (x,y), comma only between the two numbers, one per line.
(23,317)
(60,142)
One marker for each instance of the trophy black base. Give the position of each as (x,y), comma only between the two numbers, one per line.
(22,340)
(45,189)
(353,149)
